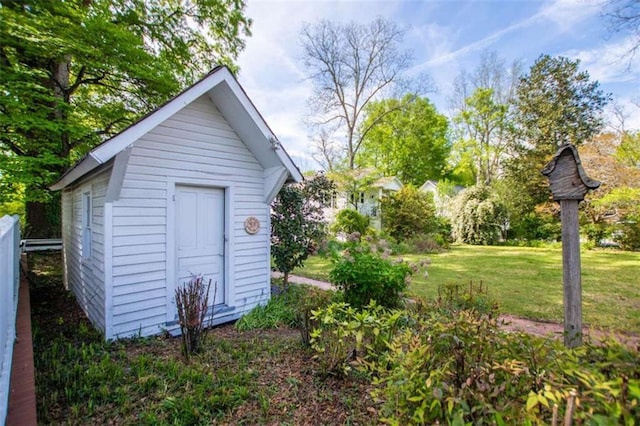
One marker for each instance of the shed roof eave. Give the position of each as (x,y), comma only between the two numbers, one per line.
(86,165)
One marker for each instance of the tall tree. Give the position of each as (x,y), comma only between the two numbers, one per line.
(555,103)
(480,103)
(78,71)
(410,141)
(483,126)
(351,65)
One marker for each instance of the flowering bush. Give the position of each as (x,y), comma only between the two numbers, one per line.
(365,272)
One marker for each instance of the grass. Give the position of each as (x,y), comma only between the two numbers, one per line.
(527,282)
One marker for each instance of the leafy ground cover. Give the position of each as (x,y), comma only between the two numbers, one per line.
(527,282)
(240,377)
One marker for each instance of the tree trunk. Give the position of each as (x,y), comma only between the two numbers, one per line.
(43,218)
(285,280)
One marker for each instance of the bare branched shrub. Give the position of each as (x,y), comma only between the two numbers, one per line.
(192,300)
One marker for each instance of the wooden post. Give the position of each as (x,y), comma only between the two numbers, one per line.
(569,184)
(571,278)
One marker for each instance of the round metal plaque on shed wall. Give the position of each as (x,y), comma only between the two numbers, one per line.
(252,225)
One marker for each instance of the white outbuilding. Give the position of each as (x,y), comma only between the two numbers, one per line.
(184,191)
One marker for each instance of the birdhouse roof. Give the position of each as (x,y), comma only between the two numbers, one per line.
(550,167)
(567,177)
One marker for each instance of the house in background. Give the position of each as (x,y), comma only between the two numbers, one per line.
(184,191)
(370,199)
(365,199)
(440,199)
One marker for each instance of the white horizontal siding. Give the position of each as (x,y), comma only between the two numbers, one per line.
(85,278)
(197,145)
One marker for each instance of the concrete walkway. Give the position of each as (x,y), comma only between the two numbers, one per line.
(295,279)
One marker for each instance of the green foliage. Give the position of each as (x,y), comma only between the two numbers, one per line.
(455,297)
(477,216)
(555,104)
(75,72)
(484,129)
(462,367)
(628,151)
(406,138)
(536,225)
(625,201)
(408,212)
(350,221)
(312,300)
(365,273)
(345,336)
(279,311)
(297,222)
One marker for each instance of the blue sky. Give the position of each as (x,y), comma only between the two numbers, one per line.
(444,36)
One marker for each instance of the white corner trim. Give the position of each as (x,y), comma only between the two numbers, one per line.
(108,271)
(274,178)
(117,175)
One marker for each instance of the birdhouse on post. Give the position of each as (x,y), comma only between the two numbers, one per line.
(569,184)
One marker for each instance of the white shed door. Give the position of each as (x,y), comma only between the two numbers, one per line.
(200,237)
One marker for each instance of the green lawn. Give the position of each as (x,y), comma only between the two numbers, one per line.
(527,282)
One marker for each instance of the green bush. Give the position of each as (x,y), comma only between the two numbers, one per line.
(313,299)
(365,273)
(350,221)
(449,361)
(629,235)
(345,337)
(408,212)
(455,297)
(536,226)
(464,369)
(432,243)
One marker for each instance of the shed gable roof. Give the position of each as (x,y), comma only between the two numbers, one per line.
(229,98)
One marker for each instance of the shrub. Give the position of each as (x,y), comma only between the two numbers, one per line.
(462,368)
(364,274)
(297,222)
(345,337)
(455,297)
(629,235)
(431,243)
(477,216)
(192,303)
(349,221)
(408,212)
(313,300)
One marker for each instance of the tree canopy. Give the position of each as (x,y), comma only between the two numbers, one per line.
(410,142)
(78,71)
(556,103)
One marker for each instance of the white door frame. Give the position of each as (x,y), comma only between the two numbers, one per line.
(172,272)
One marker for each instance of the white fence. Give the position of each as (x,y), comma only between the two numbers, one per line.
(9,282)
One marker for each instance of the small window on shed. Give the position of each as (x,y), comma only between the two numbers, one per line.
(86,225)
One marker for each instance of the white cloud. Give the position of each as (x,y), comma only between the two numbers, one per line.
(567,14)
(610,63)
